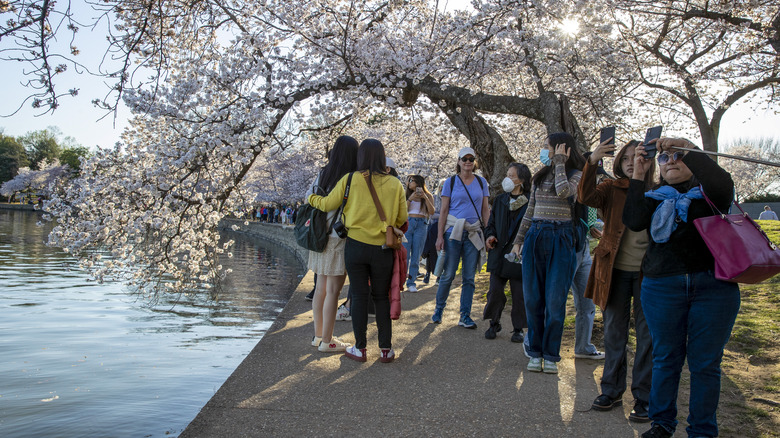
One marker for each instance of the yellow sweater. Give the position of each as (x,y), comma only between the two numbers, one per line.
(360,215)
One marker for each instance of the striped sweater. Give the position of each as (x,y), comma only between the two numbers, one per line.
(550,200)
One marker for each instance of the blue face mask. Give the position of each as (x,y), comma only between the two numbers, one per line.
(544,157)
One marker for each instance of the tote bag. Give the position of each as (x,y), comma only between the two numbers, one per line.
(742,251)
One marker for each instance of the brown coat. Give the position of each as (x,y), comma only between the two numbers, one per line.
(610,197)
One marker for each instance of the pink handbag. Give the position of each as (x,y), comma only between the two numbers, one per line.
(742,251)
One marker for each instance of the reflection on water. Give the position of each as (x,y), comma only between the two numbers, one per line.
(79,358)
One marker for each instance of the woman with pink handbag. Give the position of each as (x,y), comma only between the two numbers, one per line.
(690,313)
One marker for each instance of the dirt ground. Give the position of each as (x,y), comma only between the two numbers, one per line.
(750,385)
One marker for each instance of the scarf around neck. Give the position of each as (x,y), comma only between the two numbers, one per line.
(515,203)
(673,205)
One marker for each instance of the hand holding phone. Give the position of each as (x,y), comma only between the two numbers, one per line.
(653,133)
(607,134)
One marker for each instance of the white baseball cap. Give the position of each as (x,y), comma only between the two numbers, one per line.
(466,151)
(389,163)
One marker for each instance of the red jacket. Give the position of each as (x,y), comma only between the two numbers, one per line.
(397,282)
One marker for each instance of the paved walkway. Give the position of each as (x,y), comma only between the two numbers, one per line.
(446,381)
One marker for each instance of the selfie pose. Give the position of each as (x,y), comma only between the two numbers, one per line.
(615,278)
(419,202)
(689,312)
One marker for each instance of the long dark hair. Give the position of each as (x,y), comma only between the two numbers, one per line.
(523,173)
(342,159)
(575,162)
(419,180)
(617,167)
(371,157)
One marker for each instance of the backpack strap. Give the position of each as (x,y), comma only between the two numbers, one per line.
(479,216)
(343,203)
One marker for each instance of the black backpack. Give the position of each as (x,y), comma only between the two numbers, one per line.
(311,225)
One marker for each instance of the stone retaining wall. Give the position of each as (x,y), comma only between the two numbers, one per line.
(25,207)
(282,235)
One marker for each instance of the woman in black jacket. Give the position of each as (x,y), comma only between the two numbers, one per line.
(689,312)
(508,211)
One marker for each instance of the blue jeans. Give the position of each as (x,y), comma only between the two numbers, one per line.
(454,250)
(689,316)
(586,309)
(549,262)
(415,236)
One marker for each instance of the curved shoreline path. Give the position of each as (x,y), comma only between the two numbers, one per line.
(447,381)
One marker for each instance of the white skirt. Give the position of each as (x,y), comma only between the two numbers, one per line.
(330,261)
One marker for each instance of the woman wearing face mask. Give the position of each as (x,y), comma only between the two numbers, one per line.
(549,256)
(508,210)
(615,280)
(419,202)
(690,313)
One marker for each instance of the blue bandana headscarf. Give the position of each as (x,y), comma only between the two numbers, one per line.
(673,205)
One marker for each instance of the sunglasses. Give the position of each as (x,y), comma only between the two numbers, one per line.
(464,159)
(664,158)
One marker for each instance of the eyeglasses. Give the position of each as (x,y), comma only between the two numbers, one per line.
(664,157)
(464,159)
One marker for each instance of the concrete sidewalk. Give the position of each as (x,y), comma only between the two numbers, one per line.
(446,381)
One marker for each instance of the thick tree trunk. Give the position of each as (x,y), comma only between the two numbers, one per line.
(492,153)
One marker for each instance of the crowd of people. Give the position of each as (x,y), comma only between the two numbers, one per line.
(649,262)
(284,214)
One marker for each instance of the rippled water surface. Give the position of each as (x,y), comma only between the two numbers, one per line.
(79,358)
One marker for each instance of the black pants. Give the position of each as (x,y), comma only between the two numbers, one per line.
(430,261)
(625,288)
(496,300)
(369,263)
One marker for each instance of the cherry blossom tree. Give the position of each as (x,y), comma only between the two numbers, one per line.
(46,181)
(235,90)
(705,55)
(752,179)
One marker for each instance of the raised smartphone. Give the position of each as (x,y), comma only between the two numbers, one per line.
(652,134)
(608,132)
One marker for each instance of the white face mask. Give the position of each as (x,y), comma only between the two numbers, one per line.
(507,184)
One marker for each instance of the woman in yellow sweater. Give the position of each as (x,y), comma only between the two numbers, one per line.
(365,257)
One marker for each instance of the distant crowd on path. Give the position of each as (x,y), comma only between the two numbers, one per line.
(650,261)
(284,214)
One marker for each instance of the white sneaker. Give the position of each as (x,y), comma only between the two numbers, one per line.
(412,288)
(316,341)
(535,364)
(334,346)
(342,314)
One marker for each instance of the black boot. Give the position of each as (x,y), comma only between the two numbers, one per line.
(427,277)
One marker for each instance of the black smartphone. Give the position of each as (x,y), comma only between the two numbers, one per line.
(606,133)
(652,134)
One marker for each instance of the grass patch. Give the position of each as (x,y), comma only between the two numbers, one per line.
(757,328)
(772,230)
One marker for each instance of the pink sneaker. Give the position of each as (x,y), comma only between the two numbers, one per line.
(387,355)
(354,353)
